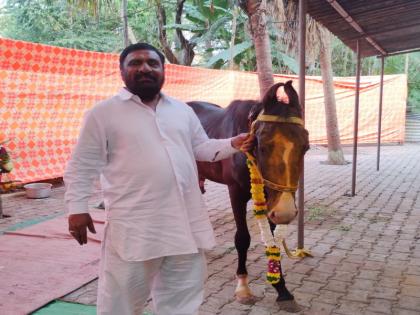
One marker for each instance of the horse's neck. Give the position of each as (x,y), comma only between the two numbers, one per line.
(236,118)
(225,122)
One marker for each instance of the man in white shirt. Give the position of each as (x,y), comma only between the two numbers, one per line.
(144,144)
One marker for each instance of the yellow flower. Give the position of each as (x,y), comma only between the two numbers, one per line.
(260,211)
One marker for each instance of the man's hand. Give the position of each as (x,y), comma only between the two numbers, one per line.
(78,224)
(243,142)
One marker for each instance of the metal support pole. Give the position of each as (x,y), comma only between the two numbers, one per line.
(356,121)
(125,22)
(302,68)
(381,91)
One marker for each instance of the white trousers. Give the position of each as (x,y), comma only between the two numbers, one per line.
(176,284)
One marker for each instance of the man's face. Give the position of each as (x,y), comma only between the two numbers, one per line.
(143,73)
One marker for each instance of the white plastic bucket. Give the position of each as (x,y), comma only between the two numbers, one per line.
(38,190)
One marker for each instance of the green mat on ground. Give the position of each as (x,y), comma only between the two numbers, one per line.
(26,223)
(65,308)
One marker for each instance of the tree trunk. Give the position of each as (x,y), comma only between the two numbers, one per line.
(131,36)
(255,9)
(187,52)
(161,17)
(124,20)
(345,61)
(335,152)
(232,38)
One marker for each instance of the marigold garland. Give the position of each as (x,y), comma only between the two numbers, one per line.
(272,250)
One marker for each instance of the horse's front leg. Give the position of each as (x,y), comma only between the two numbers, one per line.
(238,199)
(285,299)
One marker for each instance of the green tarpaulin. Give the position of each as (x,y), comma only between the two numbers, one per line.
(65,308)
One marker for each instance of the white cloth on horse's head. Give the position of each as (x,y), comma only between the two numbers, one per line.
(149,178)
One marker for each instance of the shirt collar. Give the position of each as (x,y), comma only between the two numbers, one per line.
(125,95)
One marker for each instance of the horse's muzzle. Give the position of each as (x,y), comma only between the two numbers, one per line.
(284,210)
(280,218)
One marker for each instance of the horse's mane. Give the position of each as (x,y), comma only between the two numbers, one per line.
(226,122)
(238,113)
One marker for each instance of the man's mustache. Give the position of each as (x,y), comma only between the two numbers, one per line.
(144,76)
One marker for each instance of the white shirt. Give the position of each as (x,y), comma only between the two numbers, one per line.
(149,178)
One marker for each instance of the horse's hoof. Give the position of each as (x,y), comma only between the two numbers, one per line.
(243,295)
(289,306)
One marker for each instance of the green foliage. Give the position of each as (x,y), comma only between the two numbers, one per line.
(344,64)
(284,63)
(142,19)
(224,55)
(213,31)
(396,64)
(344,227)
(315,213)
(56,23)
(96,25)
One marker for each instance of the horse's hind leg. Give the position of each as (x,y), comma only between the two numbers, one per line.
(239,199)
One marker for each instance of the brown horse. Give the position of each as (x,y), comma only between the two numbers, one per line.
(279,149)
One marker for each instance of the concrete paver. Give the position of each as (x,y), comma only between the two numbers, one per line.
(366,248)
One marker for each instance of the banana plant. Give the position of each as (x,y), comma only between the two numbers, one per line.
(207,25)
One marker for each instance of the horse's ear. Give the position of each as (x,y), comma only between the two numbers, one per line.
(270,97)
(291,94)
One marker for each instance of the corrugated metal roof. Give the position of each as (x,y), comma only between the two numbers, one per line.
(386,26)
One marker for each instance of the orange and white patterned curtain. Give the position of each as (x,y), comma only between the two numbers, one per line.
(44,92)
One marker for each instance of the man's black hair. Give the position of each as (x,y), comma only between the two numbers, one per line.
(140,46)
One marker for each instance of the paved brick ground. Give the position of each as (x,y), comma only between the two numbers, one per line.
(366,248)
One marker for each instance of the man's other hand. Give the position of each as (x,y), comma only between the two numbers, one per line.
(78,224)
(243,142)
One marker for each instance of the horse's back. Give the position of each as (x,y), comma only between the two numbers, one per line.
(210,115)
(199,106)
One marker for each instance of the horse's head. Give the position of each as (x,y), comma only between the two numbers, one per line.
(281,142)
